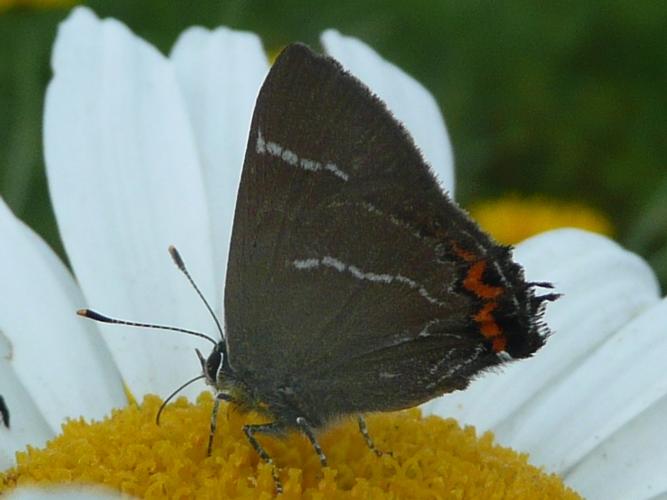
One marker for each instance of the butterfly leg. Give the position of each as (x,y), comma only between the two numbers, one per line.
(367,437)
(308,431)
(271,428)
(221,396)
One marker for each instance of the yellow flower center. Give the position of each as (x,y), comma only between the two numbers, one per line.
(512,219)
(430,458)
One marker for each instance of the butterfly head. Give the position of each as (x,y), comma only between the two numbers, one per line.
(215,365)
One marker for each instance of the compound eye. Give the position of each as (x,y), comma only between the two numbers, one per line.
(213,365)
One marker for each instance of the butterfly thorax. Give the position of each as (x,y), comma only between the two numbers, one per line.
(243,391)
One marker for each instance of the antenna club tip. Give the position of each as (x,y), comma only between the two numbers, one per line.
(176,257)
(90,314)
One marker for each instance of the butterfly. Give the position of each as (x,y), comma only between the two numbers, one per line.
(354,283)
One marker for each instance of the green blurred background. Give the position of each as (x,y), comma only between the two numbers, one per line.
(564,99)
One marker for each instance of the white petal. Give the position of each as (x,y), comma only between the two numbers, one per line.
(125,182)
(615,384)
(53,364)
(631,463)
(27,425)
(603,287)
(407,99)
(220,73)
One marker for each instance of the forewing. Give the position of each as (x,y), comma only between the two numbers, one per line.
(341,246)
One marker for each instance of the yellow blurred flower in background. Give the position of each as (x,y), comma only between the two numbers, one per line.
(513,218)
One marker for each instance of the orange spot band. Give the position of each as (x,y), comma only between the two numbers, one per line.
(488,326)
(499,344)
(473,282)
(486,321)
(463,253)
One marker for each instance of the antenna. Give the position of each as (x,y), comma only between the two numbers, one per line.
(169,398)
(90,314)
(95,316)
(176,257)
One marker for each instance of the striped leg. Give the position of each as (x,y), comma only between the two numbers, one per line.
(308,431)
(364,432)
(221,396)
(272,428)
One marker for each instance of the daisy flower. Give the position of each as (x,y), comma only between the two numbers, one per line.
(144,151)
